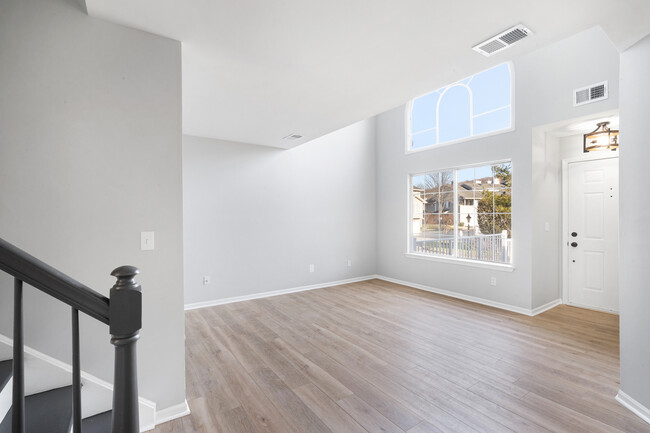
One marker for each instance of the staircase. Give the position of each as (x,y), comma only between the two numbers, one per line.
(58,408)
(49,411)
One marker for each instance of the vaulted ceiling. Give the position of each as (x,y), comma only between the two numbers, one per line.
(255,71)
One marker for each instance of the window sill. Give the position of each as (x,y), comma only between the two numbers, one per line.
(462,262)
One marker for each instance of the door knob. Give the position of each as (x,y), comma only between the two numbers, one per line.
(574,234)
(574,244)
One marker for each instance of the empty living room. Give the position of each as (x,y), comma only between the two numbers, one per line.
(324,217)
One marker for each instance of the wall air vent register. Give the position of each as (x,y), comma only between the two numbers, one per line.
(592,93)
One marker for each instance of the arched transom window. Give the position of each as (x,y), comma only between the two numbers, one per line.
(477,105)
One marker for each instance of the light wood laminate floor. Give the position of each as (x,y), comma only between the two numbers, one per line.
(379,357)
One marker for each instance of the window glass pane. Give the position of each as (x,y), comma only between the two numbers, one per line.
(445,246)
(432,204)
(423,114)
(466,206)
(503,174)
(503,201)
(446,182)
(491,89)
(418,182)
(432,225)
(423,139)
(432,233)
(454,114)
(485,223)
(417,207)
(469,225)
(503,222)
(485,202)
(447,225)
(432,183)
(466,179)
(493,121)
(483,173)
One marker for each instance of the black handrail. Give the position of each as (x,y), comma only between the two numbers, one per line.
(44,277)
(122,312)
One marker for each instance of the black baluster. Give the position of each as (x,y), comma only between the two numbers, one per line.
(125,324)
(76,374)
(18,397)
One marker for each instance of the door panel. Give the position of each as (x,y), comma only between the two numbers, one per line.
(593,215)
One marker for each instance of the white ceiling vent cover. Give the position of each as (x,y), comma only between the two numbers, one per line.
(589,94)
(292,137)
(503,40)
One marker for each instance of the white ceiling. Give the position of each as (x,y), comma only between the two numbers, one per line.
(255,71)
(584,125)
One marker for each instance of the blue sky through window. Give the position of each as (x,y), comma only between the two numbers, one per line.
(476,105)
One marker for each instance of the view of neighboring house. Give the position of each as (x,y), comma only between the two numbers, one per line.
(428,209)
(418,210)
(469,196)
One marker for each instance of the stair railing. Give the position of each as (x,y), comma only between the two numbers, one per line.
(122,312)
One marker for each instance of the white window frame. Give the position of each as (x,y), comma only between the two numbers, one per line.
(505,267)
(409,109)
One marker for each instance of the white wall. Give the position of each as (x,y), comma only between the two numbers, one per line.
(634,287)
(544,81)
(255,217)
(90,156)
(571,146)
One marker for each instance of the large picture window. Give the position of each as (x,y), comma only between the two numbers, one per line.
(477,105)
(463,213)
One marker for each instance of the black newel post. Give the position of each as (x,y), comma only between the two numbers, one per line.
(125,324)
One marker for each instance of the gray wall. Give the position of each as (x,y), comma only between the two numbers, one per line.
(544,81)
(90,156)
(547,208)
(255,217)
(634,287)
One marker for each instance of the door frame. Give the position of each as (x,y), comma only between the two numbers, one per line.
(595,156)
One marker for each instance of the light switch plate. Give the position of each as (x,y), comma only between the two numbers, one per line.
(146,241)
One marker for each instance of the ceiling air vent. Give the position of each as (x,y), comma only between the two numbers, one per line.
(503,40)
(593,93)
(292,137)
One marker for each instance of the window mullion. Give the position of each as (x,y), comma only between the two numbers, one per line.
(456,213)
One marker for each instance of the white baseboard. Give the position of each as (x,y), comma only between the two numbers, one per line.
(222,301)
(545,307)
(482,301)
(96,393)
(172,412)
(637,408)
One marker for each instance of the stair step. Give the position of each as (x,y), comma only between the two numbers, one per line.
(100,423)
(46,412)
(5,372)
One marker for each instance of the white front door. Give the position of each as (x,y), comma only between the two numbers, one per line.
(593,234)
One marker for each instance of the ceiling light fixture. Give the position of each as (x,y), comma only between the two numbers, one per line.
(601,138)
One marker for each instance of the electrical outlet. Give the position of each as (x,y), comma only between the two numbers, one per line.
(312,268)
(349,262)
(206,280)
(493,281)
